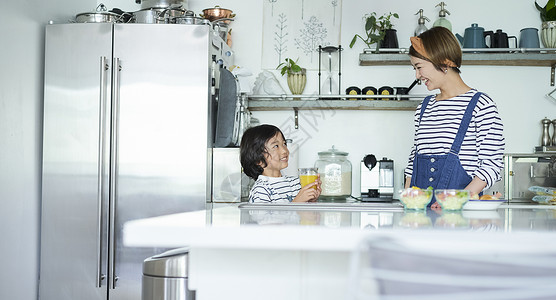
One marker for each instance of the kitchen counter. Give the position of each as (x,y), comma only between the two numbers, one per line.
(249,250)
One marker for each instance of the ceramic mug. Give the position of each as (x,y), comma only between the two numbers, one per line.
(529,38)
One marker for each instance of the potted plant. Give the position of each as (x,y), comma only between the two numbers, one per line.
(548,18)
(297,78)
(379,31)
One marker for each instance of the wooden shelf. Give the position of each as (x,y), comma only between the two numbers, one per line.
(273,103)
(520,57)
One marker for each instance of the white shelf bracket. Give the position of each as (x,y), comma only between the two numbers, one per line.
(552,74)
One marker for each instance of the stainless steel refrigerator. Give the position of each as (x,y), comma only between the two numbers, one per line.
(128,132)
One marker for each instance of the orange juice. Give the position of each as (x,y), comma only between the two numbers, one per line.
(307,179)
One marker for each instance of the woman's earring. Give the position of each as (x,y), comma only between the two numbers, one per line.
(446,71)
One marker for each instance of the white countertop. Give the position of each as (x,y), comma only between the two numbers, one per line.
(227,226)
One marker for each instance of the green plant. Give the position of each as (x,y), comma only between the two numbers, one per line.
(289,67)
(375,29)
(548,12)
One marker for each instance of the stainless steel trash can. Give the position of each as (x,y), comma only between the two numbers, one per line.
(165,276)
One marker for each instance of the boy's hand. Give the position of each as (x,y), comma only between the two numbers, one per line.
(310,192)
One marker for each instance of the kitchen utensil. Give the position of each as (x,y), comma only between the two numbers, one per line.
(125,17)
(101,15)
(161,3)
(500,39)
(399,90)
(412,85)
(97,17)
(217,13)
(189,18)
(529,38)
(474,37)
(158,15)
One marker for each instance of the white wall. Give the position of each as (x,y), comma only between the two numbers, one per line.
(21,81)
(518,91)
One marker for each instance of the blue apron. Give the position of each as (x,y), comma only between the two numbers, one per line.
(443,171)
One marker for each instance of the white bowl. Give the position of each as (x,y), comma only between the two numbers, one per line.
(483,204)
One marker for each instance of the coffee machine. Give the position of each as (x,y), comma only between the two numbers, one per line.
(377,183)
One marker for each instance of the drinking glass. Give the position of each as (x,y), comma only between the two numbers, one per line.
(307,176)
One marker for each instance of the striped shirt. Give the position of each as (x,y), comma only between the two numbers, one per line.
(482,149)
(274,189)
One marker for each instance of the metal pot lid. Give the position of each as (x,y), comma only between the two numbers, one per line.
(217,8)
(98,13)
(333,152)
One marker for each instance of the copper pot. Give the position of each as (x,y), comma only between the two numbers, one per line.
(216,13)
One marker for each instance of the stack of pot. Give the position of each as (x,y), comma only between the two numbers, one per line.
(160,11)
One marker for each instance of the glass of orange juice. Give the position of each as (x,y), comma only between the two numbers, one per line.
(307,176)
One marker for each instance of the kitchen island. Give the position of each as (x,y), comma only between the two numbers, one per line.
(317,250)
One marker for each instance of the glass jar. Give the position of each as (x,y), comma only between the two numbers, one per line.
(335,173)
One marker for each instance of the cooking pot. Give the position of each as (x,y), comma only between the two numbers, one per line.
(190,18)
(217,13)
(98,16)
(157,15)
(161,3)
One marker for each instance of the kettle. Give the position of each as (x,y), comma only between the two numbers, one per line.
(501,39)
(474,37)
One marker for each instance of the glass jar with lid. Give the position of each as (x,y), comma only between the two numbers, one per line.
(335,173)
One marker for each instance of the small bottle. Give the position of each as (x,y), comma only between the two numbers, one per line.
(421,23)
(442,21)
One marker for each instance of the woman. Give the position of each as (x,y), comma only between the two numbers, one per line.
(459,141)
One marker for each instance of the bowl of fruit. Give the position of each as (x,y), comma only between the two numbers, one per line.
(451,199)
(415,198)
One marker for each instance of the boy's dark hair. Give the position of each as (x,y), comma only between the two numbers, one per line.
(252,148)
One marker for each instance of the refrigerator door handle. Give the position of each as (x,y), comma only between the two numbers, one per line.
(101,155)
(116,68)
